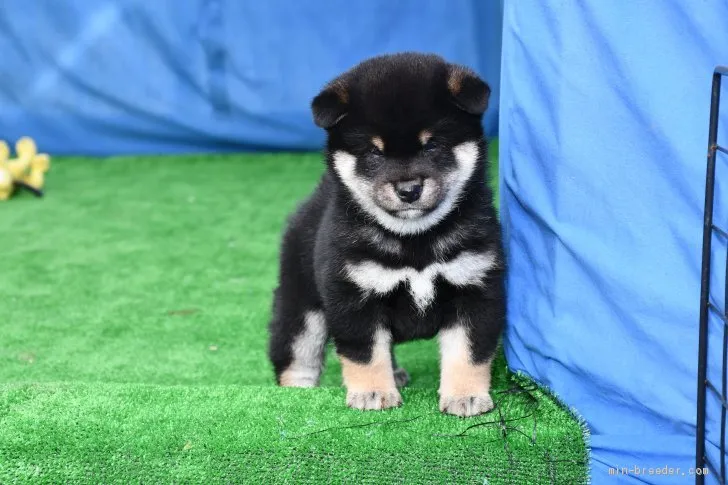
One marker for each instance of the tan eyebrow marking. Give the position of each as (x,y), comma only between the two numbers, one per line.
(378,142)
(425,136)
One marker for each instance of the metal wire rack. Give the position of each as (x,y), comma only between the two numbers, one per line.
(707,306)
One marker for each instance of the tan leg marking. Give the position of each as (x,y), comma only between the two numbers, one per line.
(308,353)
(464,386)
(372,385)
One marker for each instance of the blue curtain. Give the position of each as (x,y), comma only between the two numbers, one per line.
(604,130)
(133,76)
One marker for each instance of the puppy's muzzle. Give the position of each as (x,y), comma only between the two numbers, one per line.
(408,196)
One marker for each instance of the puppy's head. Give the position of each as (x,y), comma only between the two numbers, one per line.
(404,136)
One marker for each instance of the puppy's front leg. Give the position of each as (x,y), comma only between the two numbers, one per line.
(464,383)
(366,366)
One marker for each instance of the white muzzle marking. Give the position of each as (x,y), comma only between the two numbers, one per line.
(466,157)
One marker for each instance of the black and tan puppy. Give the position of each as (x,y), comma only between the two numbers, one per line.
(400,239)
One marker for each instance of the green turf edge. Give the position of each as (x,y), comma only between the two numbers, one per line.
(72,432)
(525,379)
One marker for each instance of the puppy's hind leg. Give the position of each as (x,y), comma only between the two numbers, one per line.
(401,377)
(297,347)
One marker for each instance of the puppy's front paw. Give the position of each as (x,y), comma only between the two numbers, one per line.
(373,400)
(401,377)
(465,406)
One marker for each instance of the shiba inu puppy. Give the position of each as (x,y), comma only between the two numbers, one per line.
(399,241)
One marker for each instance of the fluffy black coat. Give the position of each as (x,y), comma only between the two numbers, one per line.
(395,98)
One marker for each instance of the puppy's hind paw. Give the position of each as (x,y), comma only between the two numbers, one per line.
(465,406)
(373,400)
(401,377)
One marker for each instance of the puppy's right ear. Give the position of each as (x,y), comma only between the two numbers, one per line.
(331,104)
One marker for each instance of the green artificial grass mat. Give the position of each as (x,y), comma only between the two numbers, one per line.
(134,300)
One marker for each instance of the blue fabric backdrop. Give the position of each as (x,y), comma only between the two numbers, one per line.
(603,129)
(126,76)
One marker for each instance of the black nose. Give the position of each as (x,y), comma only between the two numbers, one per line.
(408,190)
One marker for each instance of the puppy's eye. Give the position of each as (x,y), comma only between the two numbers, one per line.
(429,146)
(373,150)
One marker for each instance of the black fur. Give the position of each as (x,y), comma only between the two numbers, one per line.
(394,97)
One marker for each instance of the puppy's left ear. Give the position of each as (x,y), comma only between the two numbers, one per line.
(469,92)
(331,104)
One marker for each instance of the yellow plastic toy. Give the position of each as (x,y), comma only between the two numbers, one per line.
(26,171)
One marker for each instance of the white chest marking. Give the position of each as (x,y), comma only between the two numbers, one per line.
(468,268)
